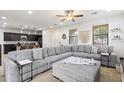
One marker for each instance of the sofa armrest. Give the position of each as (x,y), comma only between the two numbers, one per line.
(113,59)
(11,70)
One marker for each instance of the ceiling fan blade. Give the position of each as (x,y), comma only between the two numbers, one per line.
(62,20)
(60,15)
(78,15)
(73,20)
(67,12)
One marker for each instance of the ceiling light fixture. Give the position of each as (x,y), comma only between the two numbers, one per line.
(40,29)
(108,10)
(26,26)
(51,26)
(61,23)
(5,23)
(3,17)
(30,12)
(21,31)
(69,17)
(28,33)
(23,28)
(44,32)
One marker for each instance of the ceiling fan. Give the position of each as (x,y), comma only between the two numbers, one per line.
(69,15)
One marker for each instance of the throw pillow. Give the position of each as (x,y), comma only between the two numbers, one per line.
(81,48)
(24,54)
(87,48)
(45,54)
(51,51)
(37,53)
(58,51)
(94,49)
(62,49)
(74,48)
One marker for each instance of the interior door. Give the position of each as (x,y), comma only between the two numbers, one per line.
(73,37)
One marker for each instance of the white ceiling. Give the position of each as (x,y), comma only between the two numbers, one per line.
(45,18)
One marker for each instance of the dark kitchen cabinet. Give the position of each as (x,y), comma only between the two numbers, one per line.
(9,47)
(17,37)
(11,36)
(33,37)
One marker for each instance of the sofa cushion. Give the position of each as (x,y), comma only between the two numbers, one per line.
(37,53)
(63,50)
(81,48)
(52,59)
(39,63)
(66,48)
(45,52)
(94,56)
(58,50)
(12,55)
(75,48)
(87,48)
(36,64)
(65,55)
(94,49)
(51,51)
(103,49)
(80,54)
(24,54)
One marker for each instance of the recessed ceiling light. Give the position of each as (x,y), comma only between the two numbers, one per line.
(108,10)
(26,26)
(23,28)
(28,33)
(21,31)
(61,23)
(30,12)
(40,29)
(44,32)
(51,26)
(3,17)
(4,23)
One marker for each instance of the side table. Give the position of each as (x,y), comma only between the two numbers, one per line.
(23,63)
(107,55)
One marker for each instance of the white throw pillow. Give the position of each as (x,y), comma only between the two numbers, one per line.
(37,53)
(94,50)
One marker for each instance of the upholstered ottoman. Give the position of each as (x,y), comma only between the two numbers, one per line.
(76,72)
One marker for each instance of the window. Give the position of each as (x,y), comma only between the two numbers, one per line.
(100,34)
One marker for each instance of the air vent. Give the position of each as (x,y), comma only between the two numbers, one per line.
(93,13)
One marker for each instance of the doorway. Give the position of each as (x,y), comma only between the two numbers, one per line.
(73,36)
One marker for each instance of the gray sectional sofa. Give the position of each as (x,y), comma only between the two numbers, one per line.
(43,58)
